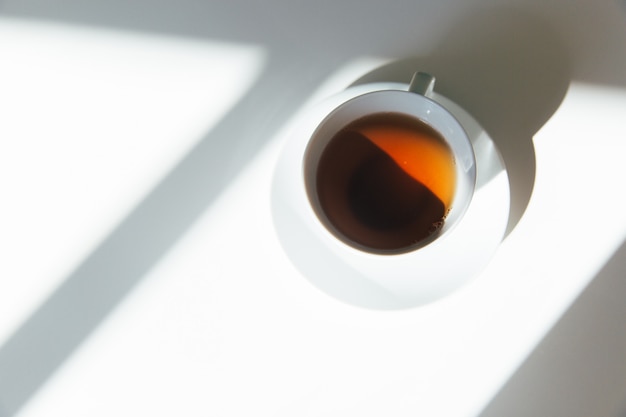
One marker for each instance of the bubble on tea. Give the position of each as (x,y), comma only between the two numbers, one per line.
(385,182)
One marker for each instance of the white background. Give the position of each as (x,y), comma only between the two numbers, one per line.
(140,272)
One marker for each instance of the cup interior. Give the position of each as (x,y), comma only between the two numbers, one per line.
(360,183)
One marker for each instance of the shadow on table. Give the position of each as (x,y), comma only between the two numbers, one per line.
(578,368)
(511,72)
(104,278)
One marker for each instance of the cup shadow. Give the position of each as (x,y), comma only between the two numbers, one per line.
(510,71)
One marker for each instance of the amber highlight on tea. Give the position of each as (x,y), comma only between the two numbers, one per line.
(385,182)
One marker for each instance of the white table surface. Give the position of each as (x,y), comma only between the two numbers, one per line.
(141,273)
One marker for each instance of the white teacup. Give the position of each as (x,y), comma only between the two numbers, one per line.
(356,267)
(390,171)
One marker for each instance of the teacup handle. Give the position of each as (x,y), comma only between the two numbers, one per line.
(422,83)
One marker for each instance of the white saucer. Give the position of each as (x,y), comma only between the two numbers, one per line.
(389,281)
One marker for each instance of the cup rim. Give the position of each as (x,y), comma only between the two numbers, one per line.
(465,174)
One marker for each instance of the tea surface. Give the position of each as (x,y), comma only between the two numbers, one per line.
(386,181)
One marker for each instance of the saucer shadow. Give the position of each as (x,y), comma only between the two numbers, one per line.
(510,71)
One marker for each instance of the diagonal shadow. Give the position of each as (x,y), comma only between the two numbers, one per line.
(109,273)
(578,368)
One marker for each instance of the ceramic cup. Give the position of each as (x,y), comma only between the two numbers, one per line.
(346,241)
(389,172)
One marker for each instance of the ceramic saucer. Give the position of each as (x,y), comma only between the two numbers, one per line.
(389,281)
